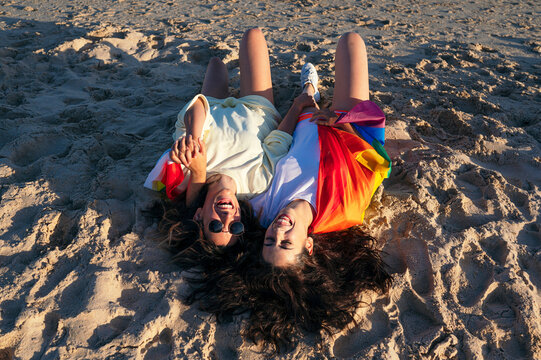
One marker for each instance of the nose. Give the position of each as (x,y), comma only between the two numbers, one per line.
(277,234)
(227,219)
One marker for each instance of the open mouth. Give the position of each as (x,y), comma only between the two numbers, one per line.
(284,220)
(225,204)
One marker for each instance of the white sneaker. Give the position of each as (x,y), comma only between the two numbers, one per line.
(309,76)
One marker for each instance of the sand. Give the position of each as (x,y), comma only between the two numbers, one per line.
(88,97)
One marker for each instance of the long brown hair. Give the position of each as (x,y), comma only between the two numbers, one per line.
(320,293)
(211,270)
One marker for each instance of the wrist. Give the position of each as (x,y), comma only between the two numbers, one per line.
(199,176)
(297,106)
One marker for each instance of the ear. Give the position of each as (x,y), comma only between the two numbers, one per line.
(197,215)
(309,245)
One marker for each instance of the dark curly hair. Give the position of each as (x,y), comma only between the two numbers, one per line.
(320,292)
(208,266)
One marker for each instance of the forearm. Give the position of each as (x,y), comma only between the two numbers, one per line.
(194,119)
(197,181)
(289,122)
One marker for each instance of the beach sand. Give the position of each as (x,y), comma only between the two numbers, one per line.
(89,93)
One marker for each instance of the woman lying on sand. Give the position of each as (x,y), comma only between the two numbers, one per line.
(313,263)
(314,260)
(225,147)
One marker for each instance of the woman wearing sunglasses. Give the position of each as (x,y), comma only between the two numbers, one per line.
(225,148)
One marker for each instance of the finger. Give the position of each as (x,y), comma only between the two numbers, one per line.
(202,148)
(318,118)
(174,157)
(176,145)
(183,161)
(182,145)
(189,144)
(324,122)
(188,154)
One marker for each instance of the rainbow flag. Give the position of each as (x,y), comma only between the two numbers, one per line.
(166,176)
(351,168)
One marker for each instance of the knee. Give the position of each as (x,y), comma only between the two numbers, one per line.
(254,32)
(352,38)
(215,61)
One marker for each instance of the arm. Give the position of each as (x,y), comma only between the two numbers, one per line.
(194,119)
(192,153)
(301,102)
(195,159)
(327,117)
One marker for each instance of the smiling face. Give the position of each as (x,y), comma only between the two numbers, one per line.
(220,204)
(287,236)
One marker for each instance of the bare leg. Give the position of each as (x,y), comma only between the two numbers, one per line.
(216,80)
(351,72)
(309,89)
(255,74)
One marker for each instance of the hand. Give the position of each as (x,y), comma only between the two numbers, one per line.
(175,149)
(325,117)
(190,153)
(304,100)
(197,153)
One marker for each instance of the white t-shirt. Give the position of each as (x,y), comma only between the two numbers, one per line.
(295,176)
(241,139)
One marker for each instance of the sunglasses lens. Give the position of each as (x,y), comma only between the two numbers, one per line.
(215,226)
(236,228)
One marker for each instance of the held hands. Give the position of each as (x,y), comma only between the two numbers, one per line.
(325,117)
(190,153)
(304,100)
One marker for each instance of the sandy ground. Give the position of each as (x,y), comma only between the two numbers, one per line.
(89,91)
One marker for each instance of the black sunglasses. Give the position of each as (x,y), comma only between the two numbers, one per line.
(236,228)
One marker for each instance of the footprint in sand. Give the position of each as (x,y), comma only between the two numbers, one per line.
(51,328)
(200,55)
(103,334)
(496,248)
(138,301)
(76,296)
(530,235)
(375,329)
(474,274)
(418,320)
(452,122)
(60,270)
(160,346)
(65,231)
(227,341)
(502,307)
(16,227)
(414,253)
(26,150)
(9,311)
(120,213)
(531,268)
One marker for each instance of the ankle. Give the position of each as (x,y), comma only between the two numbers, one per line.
(309,89)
